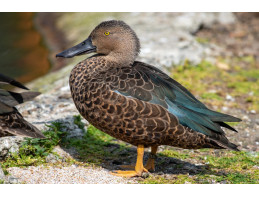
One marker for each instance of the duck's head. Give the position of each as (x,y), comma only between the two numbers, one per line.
(113,39)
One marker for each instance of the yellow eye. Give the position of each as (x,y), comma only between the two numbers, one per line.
(107,33)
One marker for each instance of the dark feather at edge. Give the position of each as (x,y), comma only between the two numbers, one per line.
(11,81)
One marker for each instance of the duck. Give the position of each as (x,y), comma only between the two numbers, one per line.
(136,102)
(12,122)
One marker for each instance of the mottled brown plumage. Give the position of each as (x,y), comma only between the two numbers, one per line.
(12,122)
(136,102)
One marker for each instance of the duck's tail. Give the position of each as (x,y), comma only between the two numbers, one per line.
(12,98)
(191,139)
(9,80)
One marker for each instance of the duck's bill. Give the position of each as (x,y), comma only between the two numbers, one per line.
(82,48)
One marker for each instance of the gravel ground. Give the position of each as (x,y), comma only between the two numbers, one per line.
(65,175)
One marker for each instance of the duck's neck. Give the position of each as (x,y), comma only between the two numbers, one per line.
(121,58)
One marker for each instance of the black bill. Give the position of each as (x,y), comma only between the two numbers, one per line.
(80,49)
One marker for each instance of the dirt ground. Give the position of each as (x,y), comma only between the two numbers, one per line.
(238,39)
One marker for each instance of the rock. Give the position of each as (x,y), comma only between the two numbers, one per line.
(51,158)
(224,108)
(9,145)
(64,154)
(169,39)
(2,175)
(223,66)
(13,180)
(61,156)
(71,128)
(191,22)
(145,175)
(54,106)
(230,98)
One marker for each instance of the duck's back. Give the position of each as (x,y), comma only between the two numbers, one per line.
(140,104)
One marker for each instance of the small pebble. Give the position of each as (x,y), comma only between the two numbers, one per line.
(13,180)
(230,98)
(224,108)
(2,175)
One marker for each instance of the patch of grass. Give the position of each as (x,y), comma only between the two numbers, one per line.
(221,167)
(42,147)
(211,84)
(33,151)
(237,161)
(202,40)
(174,154)
(180,179)
(208,95)
(237,178)
(93,146)
(78,122)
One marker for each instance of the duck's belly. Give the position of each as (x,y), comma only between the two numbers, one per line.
(124,118)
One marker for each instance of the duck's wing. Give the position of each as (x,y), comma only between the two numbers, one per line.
(11,121)
(12,99)
(9,80)
(5,108)
(149,84)
(14,124)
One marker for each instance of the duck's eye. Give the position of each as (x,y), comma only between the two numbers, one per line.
(107,33)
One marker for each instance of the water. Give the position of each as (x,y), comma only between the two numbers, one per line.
(22,53)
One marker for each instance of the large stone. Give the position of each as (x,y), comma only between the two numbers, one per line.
(9,145)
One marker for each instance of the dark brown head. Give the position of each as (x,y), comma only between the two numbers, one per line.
(113,39)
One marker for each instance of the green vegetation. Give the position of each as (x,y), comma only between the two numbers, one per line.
(202,40)
(95,148)
(213,83)
(227,167)
(34,151)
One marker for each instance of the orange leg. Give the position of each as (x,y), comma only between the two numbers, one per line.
(139,168)
(151,160)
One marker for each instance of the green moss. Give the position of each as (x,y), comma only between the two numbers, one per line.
(208,95)
(179,179)
(223,167)
(237,178)
(234,160)
(34,151)
(201,79)
(202,40)
(78,122)
(175,154)
(93,147)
